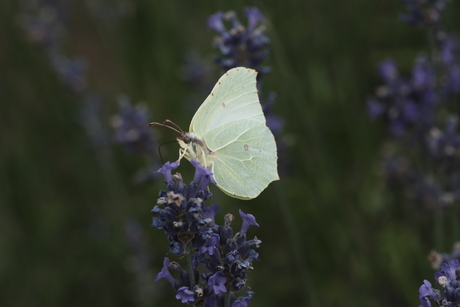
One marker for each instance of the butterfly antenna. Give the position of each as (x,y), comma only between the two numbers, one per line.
(159,150)
(172,128)
(175,125)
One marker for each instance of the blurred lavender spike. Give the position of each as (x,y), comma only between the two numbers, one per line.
(423,13)
(90,119)
(131,128)
(45,23)
(240,45)
(405,103)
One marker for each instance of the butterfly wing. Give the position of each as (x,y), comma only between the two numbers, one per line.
(245,159)
(233,97)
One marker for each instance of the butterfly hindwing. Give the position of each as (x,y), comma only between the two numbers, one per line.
(245,157)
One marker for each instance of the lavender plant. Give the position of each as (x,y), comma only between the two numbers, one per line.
(240,45)
(414,108)
(423,13)
(218,260)
(131,131)
(45,21)
(131,127)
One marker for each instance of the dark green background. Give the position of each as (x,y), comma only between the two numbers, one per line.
(332,235)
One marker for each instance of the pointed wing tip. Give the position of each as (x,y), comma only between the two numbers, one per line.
(242,68)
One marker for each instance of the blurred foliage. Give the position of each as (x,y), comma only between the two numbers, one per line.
(332,234)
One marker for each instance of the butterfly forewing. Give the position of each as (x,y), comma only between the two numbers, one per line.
(233,97)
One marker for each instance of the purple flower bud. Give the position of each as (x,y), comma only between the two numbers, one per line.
(248,220)
(203,174)
(388,70)
(166,170)
(215,23)
(254,17)
(165,272)
(374,108)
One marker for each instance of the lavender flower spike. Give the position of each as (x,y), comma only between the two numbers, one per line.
(166,170)
(248,220)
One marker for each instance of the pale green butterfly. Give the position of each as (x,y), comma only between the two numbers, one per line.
(228,134)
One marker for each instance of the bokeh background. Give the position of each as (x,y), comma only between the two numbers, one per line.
(75,202)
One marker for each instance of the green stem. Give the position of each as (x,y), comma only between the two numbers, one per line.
(190,265)
(228,298)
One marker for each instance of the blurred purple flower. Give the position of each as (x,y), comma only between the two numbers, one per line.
(71,71)
(444,146)
(254,16)
(185,295)
(215,22)
(404,103)
(449,47)
(240,45)
(131,128)
(388,70)
(45,21)
(423,13)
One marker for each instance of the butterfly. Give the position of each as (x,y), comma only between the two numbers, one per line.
(228,133)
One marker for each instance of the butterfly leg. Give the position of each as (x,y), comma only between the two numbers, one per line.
(182,152)
(212,167)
